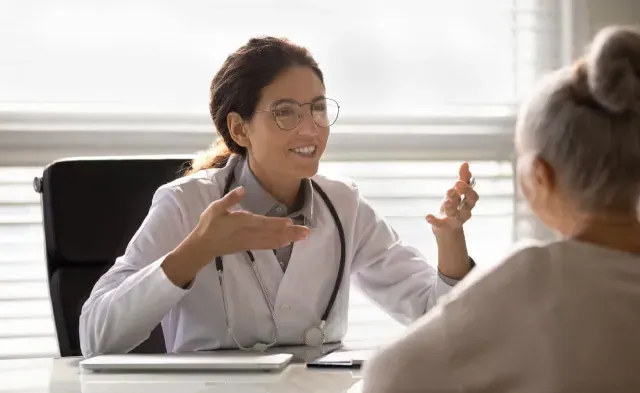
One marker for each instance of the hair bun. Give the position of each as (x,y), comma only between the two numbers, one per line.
(613,68)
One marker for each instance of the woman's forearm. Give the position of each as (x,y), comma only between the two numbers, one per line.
(183,263)
(453,258)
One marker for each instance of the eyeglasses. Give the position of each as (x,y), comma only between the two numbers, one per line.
(288,114)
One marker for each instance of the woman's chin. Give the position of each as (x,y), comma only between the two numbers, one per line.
(304,166)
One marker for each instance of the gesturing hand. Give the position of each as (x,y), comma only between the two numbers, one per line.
(226,232)
(454,212)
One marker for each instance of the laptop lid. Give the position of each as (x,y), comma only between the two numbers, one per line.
(209,361)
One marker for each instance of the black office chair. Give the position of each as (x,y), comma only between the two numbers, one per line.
(91,209)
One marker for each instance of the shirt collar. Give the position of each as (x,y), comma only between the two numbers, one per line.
(258,201)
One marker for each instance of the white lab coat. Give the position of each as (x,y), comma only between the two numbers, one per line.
(135,294)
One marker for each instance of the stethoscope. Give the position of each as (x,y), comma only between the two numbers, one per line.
(314,336)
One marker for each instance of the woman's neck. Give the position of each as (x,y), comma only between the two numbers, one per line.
(284,190)
(619,232)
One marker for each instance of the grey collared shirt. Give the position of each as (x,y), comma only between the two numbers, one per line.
(258,201)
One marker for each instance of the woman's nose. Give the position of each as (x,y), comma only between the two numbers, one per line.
(307,125)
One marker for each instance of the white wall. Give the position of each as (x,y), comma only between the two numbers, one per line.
(606,12)
(589,16)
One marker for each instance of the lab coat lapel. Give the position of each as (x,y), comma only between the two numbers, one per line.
(311,273)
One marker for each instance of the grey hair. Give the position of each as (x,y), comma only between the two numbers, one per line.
(584,121)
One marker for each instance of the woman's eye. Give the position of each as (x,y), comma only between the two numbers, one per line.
(320,107)
(284,112)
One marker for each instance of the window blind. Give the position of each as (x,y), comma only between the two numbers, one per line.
(460,63)
(26,322)
(403,191)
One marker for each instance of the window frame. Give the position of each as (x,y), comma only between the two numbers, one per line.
(35,139)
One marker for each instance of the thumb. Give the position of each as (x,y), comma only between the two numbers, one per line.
(464,173)
(222,205)
(435,221)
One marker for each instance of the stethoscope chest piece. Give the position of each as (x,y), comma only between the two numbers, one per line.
(314,336)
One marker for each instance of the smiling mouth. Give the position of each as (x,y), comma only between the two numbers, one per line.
(306,151)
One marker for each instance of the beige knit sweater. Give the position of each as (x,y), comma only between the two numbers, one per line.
(562,317)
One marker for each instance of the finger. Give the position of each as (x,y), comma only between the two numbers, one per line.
(462,187)
(435,221)
(265,239)
(464,215)
(252,221)
(464,212)
(453,195)
(470,195)
(464,174)
(292,234)
(276,226)
(450,208)
(450,205)
(273,223)
(222,205)
(470,200)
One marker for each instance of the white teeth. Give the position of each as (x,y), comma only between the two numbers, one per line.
(306,150)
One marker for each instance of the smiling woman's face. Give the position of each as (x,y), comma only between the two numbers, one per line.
(293,153)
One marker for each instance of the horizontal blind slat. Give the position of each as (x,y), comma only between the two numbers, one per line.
(18,194)
(394,169)
(28,346)
(26,290)
(23,234)
(25,253)
(22,272)
(27,327)
(11,309)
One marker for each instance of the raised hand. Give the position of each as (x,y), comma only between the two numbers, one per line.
(226,232)
(458,203)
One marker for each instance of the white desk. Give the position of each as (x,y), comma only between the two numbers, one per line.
(64,376)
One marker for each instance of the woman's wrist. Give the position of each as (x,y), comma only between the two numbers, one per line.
(183,263)
(453,258)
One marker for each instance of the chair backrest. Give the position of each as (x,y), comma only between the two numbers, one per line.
(91,209)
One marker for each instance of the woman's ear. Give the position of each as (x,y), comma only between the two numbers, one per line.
(542,185)
(536,178)
(543,175)
(236,125)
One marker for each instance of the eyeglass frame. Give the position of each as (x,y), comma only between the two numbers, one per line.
(273,112)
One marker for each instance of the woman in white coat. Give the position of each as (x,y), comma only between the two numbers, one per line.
(252,248)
